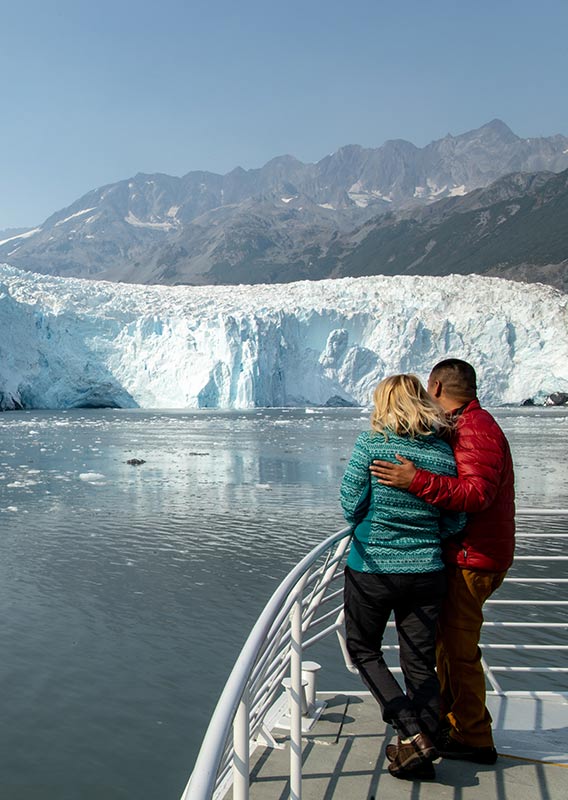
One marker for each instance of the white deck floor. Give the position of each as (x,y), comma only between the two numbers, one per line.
(344,757)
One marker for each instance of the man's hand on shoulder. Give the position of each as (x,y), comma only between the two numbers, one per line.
(399,476)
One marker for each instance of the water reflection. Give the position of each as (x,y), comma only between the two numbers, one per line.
(129,590)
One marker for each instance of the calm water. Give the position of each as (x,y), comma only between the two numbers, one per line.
(128,591)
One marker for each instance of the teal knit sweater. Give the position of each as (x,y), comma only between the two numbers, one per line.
(394,531)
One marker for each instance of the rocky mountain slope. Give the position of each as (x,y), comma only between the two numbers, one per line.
(284,221)
(517,228)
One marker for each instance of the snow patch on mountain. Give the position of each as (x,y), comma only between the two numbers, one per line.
(25,235)
(66,342)
(76,214)
(133,220)
(458,191)
(362,196)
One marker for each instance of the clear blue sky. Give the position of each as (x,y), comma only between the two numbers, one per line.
(94,91)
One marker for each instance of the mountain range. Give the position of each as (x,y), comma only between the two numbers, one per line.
(486,201)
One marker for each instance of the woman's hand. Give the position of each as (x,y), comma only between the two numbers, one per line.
(399,476)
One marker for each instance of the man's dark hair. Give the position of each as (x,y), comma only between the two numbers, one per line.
(457,377)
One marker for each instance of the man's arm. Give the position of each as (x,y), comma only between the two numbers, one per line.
(479,462)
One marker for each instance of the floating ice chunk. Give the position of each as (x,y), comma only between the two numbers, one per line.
(92,477)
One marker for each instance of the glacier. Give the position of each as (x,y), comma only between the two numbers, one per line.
(68,343)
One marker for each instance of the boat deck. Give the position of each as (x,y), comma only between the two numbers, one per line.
(344,756)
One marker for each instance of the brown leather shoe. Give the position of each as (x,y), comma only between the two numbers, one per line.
(408,758)
(392,750)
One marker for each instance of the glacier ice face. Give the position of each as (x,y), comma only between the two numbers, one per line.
(67,342)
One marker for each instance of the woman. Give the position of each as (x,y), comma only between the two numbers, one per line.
(395,564)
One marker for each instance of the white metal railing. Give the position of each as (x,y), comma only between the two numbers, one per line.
(535,602)
(274,650)
(255,682)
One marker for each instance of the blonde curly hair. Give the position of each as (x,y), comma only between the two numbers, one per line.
(403,406)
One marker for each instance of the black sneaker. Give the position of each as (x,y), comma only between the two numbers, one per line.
(448,747)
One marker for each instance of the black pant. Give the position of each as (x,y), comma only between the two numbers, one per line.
(415,599)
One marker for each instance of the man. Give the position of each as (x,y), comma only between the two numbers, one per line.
(477,560)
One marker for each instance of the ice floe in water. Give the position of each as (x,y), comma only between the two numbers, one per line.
(93,477)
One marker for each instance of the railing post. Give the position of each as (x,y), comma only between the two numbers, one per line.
(296,692)
(491,677)
(241,748)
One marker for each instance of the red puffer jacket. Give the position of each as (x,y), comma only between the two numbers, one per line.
(484,489)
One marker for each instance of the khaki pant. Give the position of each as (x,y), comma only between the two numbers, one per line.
(462,681)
